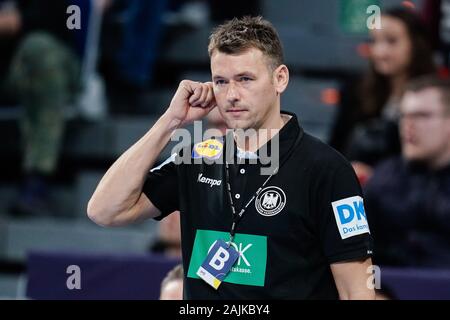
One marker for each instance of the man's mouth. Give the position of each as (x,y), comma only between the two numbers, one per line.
(409,140)
(236,111)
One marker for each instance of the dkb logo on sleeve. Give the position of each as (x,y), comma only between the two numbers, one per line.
(249,269)
(350,217)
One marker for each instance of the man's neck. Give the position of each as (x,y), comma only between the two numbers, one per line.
(441,162)
(251,139)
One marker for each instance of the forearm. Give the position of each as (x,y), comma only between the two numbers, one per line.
(352,279)
(366,294)
(121,186)
(118,199)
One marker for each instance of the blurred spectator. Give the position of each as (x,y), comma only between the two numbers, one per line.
(169,236)
(130,41)
(42,71)
(44,78)
(10,25)
(366,124)
(408,197)
(172,285)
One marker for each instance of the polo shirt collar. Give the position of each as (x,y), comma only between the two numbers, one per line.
(287,136)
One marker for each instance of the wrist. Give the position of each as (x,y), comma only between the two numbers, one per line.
(170,122)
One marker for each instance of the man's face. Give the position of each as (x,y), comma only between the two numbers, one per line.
(424,126)
(247,91)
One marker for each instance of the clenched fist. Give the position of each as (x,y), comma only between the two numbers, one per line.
(192,101)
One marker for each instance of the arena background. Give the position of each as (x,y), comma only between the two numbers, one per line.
(324,44)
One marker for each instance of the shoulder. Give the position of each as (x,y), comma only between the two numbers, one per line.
(390,172)
(394,164)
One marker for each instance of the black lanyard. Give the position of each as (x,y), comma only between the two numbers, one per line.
(238,216)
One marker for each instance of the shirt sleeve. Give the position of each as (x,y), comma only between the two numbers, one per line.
(161,187)
(342,223)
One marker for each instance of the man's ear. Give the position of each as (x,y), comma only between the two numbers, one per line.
(281,78)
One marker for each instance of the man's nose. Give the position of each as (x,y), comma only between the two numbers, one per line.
(406,126)
(232,93)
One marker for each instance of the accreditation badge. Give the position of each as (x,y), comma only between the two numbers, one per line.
(218,263)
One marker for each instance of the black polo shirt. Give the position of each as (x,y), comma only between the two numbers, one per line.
(310,214)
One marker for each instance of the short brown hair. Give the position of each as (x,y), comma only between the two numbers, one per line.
(175,274)
(432,81)
(240,34)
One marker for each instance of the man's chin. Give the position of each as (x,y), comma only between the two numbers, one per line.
(238,124)
(413,156)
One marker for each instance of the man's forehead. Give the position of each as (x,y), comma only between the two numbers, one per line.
(424,100)
(224,64)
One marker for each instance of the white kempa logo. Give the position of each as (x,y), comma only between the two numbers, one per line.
(270,201)
(211,182)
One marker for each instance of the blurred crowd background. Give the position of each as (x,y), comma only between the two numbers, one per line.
(73,99)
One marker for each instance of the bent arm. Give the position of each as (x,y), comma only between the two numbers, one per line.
(351,280)
(118,199)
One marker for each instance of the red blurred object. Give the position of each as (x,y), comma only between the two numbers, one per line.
(330,96)
(363,171)
(362,178)
(409,5)
(363,50)
(443,73)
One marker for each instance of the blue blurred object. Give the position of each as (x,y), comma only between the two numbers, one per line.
(141,27)
(81,35)
(416,284)
(103,276)
(106,276)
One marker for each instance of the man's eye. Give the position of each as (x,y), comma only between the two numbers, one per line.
(392,40)
(220,82)
(245,79)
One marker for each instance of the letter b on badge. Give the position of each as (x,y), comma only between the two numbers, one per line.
(218,263)
(219,259)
